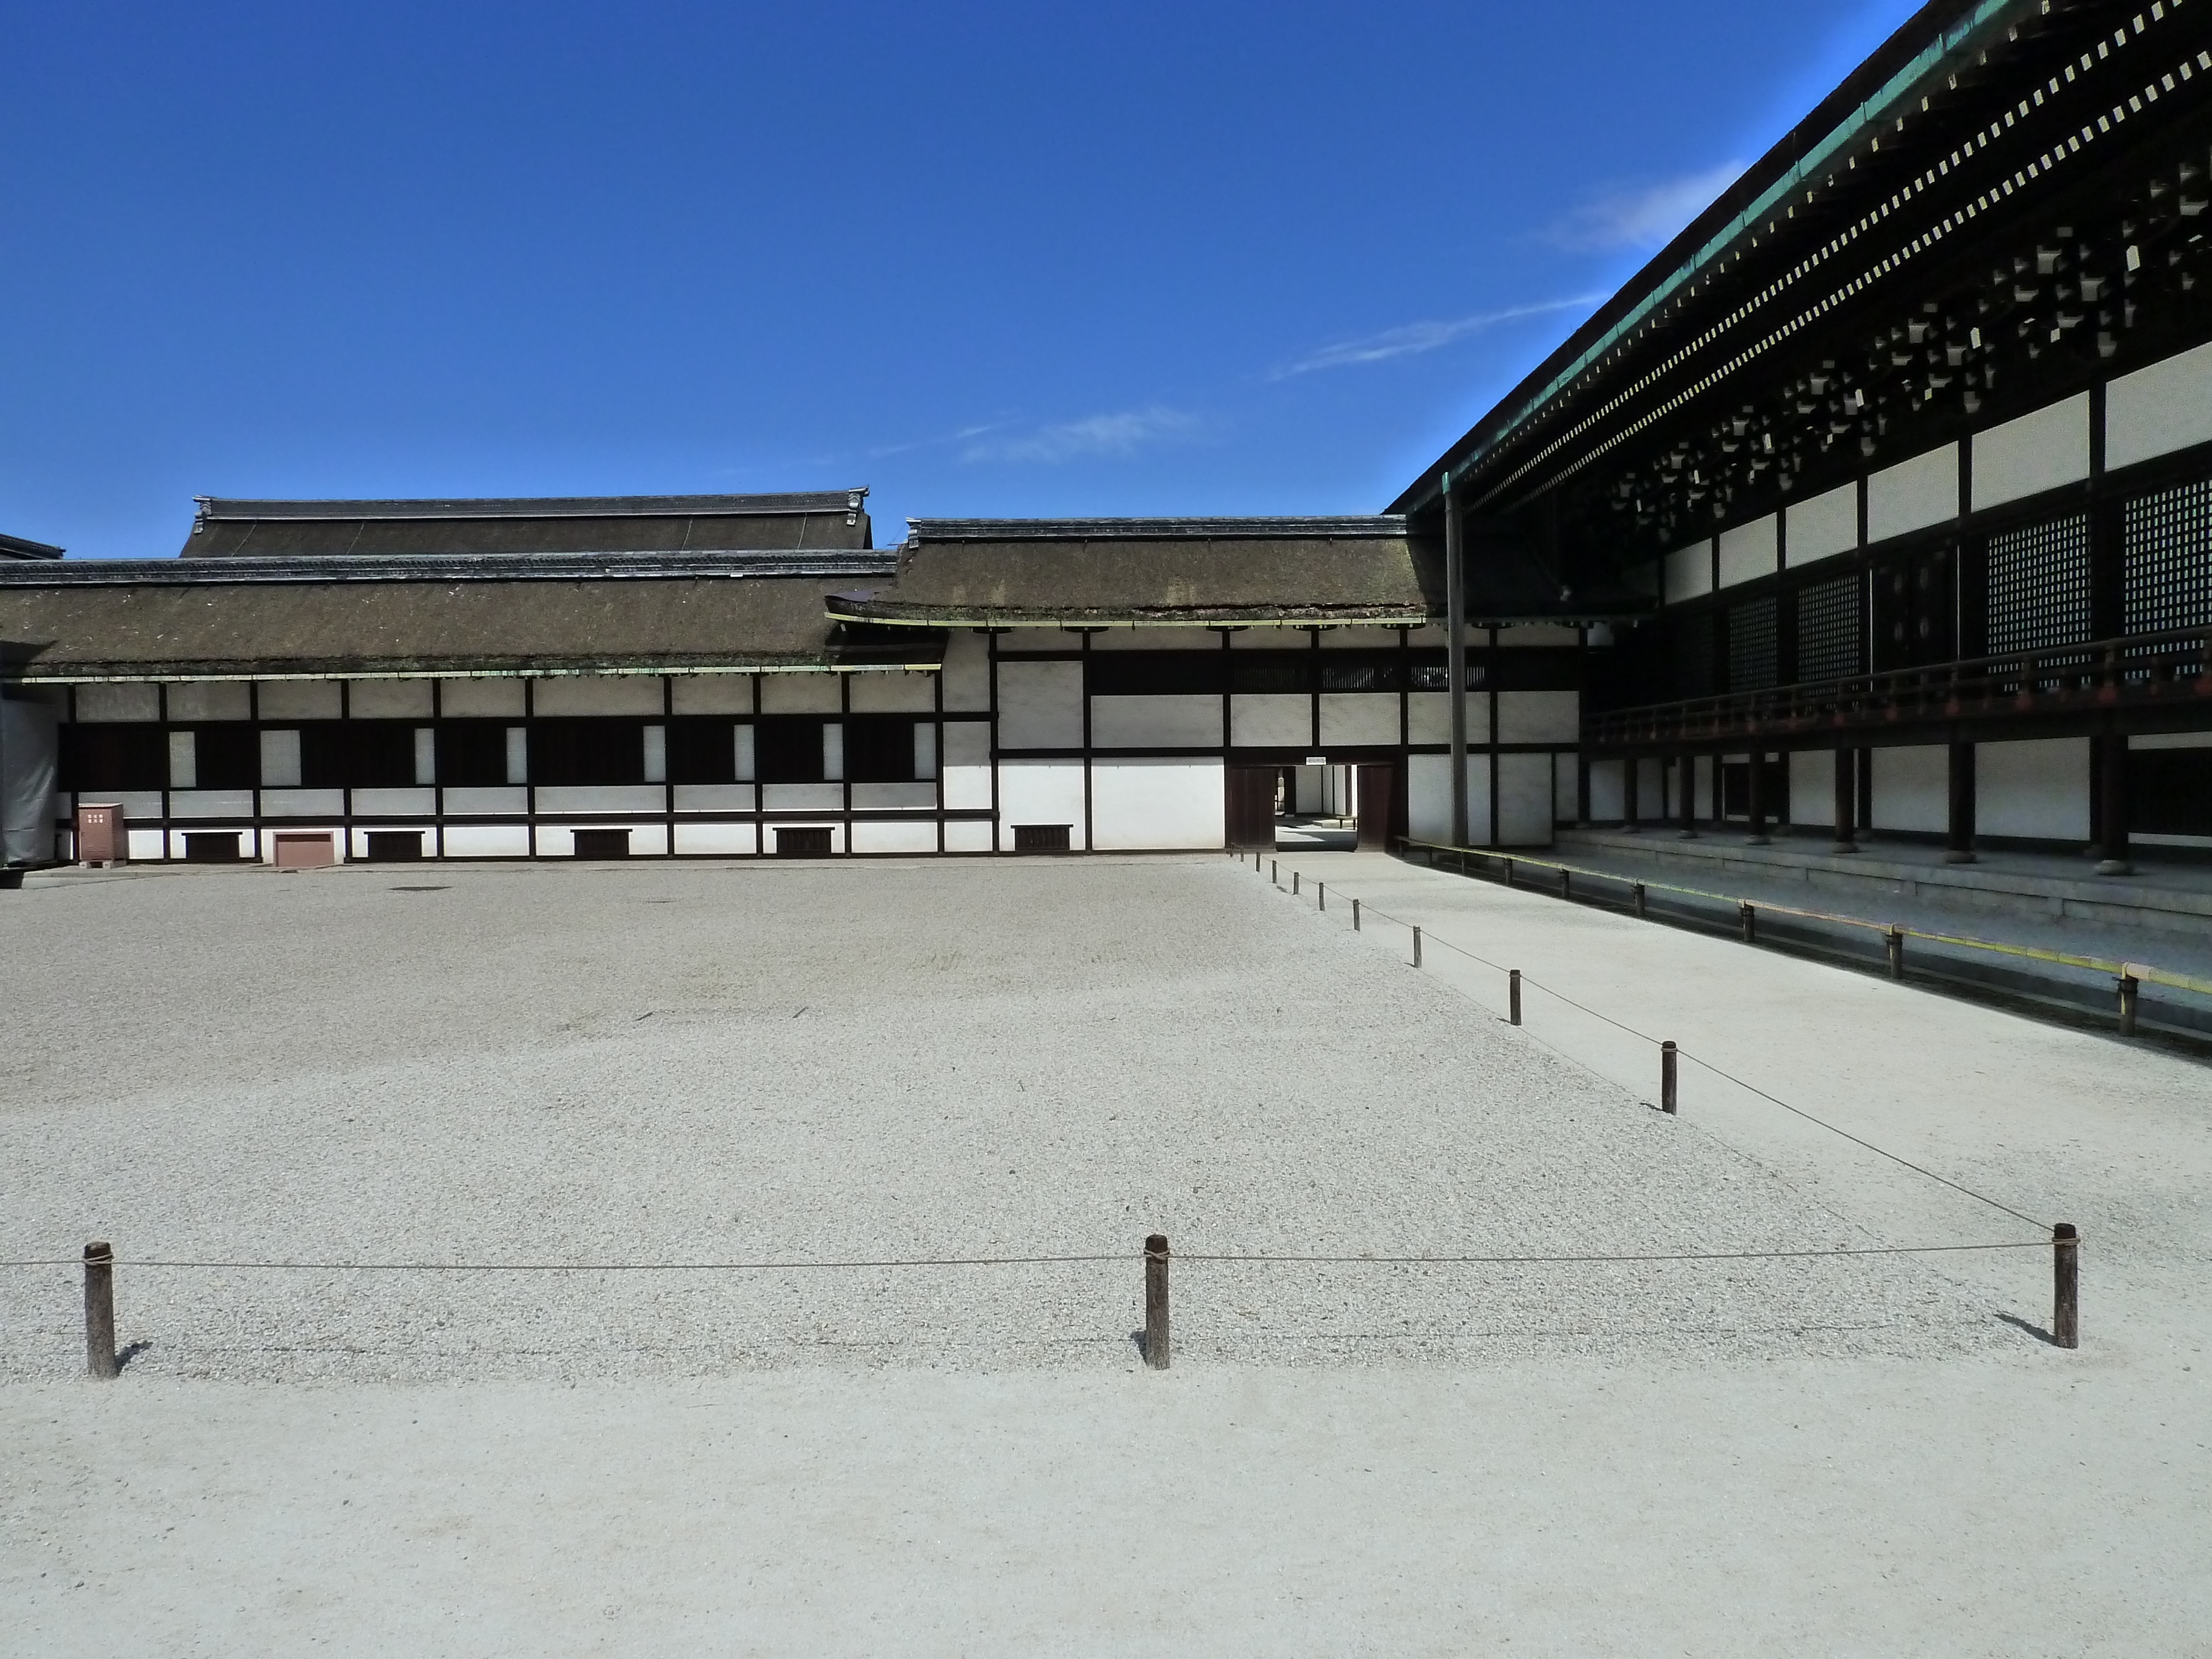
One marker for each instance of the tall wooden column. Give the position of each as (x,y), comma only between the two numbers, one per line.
(1959,847)
(1689,798)
(1456,659)
(1847,799)
(1758,837)
(1630,813)
(2113,805)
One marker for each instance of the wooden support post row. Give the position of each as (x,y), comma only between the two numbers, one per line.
(1636,900)
(1895,940)
(2066,1285)
(2129,984)
(1355,915)
(1294,884)
(1747,919)
(1513,996)
(99,1311)
(1667,1057)
(1156,1301)
(1416,947)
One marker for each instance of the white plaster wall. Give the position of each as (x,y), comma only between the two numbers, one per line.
(1749,551)
(1912,788)
(711,694)
(1651,802)
(518,754)
(1539,716)
(925,749)
(1812,787)
(2160,408)
(602,798)
(895,798)
(598,694)
(394,803)
(298,700)
(135,802)
(967,673)
(118,702)
(211,804)
(2033,789)
(899,692)
(719,840)
(2038,452)
(741,753)
(800,693)
(481,699)
(1913,494)
(486,801)
(1158,803)
(714,798)
(968,836)
(389,700)
(1270,720)
(1428,797)
(648,841)
(1350,719)
(1607,792)
(146,843)
(303,803)
(1566,776)
(1689,573)
(967,768)
(1181,720)
(1040,705)
(2172,740)
(655,758)
(1428,717)
(1524,800)
(802,796)
(280,760)
(426,755)
(211,700)
(184,760)
(1041,792)
(1308,789)
(895,838)
(1823,527)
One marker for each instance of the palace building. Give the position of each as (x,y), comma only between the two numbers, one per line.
(1879,503)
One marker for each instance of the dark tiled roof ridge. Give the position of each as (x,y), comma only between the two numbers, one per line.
(1361,526)
(433,568)
(220,508)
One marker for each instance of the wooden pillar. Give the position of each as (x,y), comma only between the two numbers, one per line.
(1758,837)
(1630,813)
(1455,659)
(1689,798)
(1959,847)
(2113,805)
(1847,800)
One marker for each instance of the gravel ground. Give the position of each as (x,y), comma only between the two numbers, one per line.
(816,1062)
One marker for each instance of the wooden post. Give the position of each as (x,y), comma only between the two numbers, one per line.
(1355,915)
(1566,885)
(2066,1285)
(2128,984)
(1758,837)
(1636,900)
(1895,939)
(1847,794)
(1416,947)
(1274,872)
(1667,1053)
(100,1309)
(1959,840)
(1321,895)
(1513,996)
(1748,919)
(1156,1301)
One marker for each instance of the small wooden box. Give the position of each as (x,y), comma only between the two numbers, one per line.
(101,837)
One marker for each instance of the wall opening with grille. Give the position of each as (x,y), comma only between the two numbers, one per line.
(1754,656)
(2166,559)
(2039,586)
(1830,618)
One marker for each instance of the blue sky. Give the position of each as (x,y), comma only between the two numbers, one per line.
(990,260)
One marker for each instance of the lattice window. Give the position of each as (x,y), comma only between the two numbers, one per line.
(1830,618)
(1754,655)
(2167,549)
(2039,590)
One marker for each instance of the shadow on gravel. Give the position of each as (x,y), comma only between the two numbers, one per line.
(129,1352)
(2033,1330)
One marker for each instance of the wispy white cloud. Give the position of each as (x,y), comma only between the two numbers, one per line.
(1414,337)
(1646,216)
(964,434)
(1119,435)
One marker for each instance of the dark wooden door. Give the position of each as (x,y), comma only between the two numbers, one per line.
(1915,610)
(1249,807)
(1378,798)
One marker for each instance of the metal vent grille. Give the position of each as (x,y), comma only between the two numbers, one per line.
(1755,646)
(2039,586)
(2166,553)
(1830,621)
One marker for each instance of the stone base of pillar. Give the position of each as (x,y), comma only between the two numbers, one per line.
(2115,867)
(1954,856)
(1844,847)
(1759,841)
(1686,835)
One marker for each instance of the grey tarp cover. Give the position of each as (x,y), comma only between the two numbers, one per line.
(27,746)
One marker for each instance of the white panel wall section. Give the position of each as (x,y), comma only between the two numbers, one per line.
(967,673)
(396,803)
(280,760)
(2038,452)
(1176,721)
(1428,717)
(1040,705)
(1824,526)
(894,692)
(802,796)
(1913,494)
(1270,719)
(646,841)
(303,803)
(598,694)
(1549,635)
(1428,799)
(1524,800)
(298,700)
(656,754)
(2039,790)
(925,749)
(741,744)
(486,802)
(211,804)
(894,797)
(518,754)
(967,779)
(556,842)
(968,836)
(1539,716)
(1912,788)
(1689,573)
(711,694)
(389,700)
(1358,718)
(602,798)
(118,702)
(721,840)
(1041,792)
(1750,552)
(135,802)
(833,750)
(211,700)
(184,761)
(426,755)
(1609,795)
(715,798)
(481,699)
(895,838)
(800,693)
(146,843)
(1157,804)
(1565,789)
(1812,787)
(2155,740)
(2159,410)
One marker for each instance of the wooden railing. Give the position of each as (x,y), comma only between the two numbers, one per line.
(2130,671)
